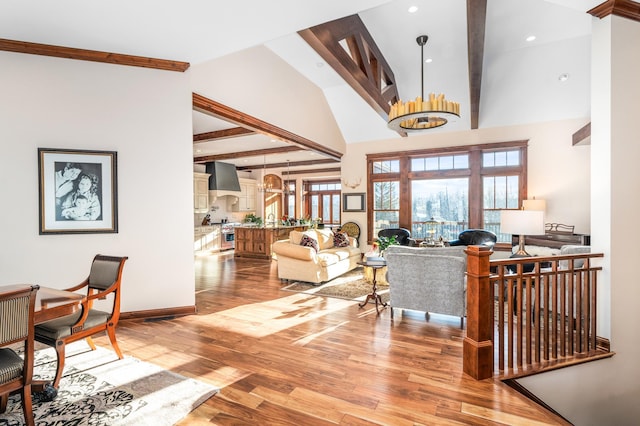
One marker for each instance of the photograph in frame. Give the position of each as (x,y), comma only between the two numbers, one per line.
(77,191)
(354,202)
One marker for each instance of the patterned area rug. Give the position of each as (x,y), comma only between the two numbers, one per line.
(99,389)
(350,286)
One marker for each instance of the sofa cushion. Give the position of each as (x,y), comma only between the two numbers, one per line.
(573,249)
(296,236)
(325,238)
(285,248)
(341,239)
(307,241)
(334,255)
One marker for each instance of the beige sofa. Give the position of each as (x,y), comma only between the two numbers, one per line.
(300,263)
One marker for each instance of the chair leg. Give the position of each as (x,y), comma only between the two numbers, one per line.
(461,323)
(27,406)
(89,341)
(60,349)
(4,398)
(391,307)
(111,332)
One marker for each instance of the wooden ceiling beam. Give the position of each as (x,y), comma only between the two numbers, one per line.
(310,171)
(291,164)
(233,132)
(224,112)
(91,55)
(625,8)
(363,67)
(476,22)
(582,135)
(243,154)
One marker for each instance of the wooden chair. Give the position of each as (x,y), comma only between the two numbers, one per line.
(103,282)
(17,305)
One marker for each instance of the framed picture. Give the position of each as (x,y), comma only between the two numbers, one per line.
(78,191)
(353,202)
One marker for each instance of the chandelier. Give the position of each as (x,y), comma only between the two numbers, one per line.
(265,186)
(286,188)
(422,114)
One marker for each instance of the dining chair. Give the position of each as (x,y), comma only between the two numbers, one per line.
(17,305)
(103,282)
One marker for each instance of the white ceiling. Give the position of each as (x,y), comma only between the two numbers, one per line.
(520,78)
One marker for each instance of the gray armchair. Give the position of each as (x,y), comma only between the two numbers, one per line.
(427,279)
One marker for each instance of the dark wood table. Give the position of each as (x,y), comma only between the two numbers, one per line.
(52,303)
(374,291)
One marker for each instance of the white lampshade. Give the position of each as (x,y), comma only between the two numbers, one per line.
(534,204)
(522,222)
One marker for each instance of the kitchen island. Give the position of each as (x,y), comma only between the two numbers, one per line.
(255,241)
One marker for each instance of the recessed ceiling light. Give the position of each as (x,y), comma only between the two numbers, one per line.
(428,60)
(198,151)
(563,77)
(413,9)
(531,38)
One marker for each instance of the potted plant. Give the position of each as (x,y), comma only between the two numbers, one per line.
(384,242)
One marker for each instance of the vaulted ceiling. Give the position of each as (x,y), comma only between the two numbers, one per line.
(500,79)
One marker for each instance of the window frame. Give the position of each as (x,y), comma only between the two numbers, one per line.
(309,193)
(475,173)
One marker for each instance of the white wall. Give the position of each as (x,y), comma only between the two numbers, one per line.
(607,391)
(144,115)
(557,171)
(258,82)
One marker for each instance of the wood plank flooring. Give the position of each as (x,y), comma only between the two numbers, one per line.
(283,358)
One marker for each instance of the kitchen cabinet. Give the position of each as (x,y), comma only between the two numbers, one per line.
(201,192)
(246,200)
(257,241)
(207,238)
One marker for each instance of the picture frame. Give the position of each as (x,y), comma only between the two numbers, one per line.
(354,202)
(78,191)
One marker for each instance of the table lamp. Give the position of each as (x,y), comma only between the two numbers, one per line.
(534,204)
(522,222)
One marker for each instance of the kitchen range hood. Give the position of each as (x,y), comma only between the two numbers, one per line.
(223,180)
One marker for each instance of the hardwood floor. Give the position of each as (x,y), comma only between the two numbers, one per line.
(283,358)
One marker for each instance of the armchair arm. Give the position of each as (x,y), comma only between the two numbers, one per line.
(285,248)
(79,286)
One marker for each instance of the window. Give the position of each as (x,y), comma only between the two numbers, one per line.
(323,201)
(387,166)
(440,208)
(290,199)
(440,192)
(386,205)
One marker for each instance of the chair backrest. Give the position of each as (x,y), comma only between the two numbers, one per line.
(105,271)
(351,228)
(106,275)
(475,237)
(17,304)
(402,235)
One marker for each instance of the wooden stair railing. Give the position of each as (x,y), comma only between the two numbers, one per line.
(521,323)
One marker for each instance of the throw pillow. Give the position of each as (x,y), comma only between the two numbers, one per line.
(341,239)
(307,241)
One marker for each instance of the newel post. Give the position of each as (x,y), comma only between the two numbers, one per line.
(478,343)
